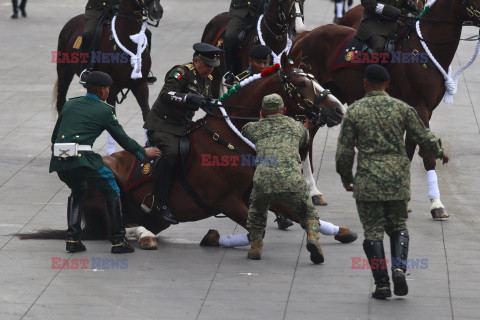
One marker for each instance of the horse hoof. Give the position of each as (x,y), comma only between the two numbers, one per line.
(319,200)
(148,243)
(211,239)
(439,214)
(345,235)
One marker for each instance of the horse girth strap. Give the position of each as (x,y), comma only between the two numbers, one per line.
(194,195)
(216,137)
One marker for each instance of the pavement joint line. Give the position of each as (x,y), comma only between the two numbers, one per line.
(23,123)
(321,157)
(470,97)
(448,271)
(293,277)
(213,279)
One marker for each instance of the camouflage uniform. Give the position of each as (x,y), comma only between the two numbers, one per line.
(281,137)
(375,125)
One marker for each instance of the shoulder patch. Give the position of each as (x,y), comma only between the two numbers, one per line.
(190,66)
(210,77)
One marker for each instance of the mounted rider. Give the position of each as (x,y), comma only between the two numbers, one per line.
(380,20)
(185,90)
(94,10)
(243,13)
(259,58)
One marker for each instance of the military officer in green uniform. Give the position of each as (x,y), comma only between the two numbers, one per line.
(186,88)
(376,125)
(279,137)
(243,13)
(380,19)
(79,124)
(259,58)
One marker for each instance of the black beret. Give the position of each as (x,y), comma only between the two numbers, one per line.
(375,73)
(98,78)
(208,53)
(260,52)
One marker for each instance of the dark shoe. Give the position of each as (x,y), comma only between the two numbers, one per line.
(75,246)
(400,283)
(122,247)
(376,258)
(283,223)
(14,16)
(167,215)
(382,293)
(24,13)
(345,235)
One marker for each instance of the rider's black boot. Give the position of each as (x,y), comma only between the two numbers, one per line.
(74,219)
(376,257)
(399,249)
(165,177)
(117,228)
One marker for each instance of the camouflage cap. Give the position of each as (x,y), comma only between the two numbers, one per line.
(272,102)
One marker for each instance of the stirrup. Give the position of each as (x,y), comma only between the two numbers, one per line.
(146,208)
(83,74)
(151,79)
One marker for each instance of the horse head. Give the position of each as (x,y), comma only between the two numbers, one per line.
(151,10)
(472,12)
(285,15)
(305,97)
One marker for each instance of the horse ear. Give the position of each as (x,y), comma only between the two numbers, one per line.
(298,60)
(284,61)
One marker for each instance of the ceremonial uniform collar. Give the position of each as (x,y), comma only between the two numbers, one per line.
(92,96)
(376,93)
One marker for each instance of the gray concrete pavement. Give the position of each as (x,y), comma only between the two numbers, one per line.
(182,280)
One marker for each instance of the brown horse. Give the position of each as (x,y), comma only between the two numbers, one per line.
(282,19)
(352,17)
(420,85)
(131,15)
(223,189)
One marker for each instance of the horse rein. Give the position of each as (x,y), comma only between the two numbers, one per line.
(290,91)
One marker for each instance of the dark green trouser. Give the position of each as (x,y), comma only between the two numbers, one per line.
(382,216)
(92,17)
(166,142)
(299,202)
(235,24)
(377,43)
(76,179)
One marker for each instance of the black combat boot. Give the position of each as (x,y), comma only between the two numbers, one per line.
(283,223)
(165,176)
(74,219)
(376,257)
(399,248)
(117,228)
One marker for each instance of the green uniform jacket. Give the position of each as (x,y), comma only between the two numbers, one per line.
(378,18)
(81,121)
(375,125)
(245,8)
(278,139)
(100,4)
(170,112)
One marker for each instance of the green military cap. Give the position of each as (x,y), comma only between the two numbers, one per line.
(98,78)
(375,73)
(272,102)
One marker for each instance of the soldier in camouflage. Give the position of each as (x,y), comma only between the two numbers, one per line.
(280,137)
(186,89)
(376,125)
(380,20)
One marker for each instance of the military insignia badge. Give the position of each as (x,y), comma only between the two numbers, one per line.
(146,168)
(349,56)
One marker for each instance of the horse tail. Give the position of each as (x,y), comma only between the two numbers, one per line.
(94,228)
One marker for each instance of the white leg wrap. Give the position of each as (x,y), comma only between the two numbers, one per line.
(146,137)
(307,173)
(432,181)
(110,145)
(136,233)
(130,234)
(436,203)
(339,9)
(328,228)
(231,241)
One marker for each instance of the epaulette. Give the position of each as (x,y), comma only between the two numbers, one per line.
(245,74)
(210,77)
(190,66)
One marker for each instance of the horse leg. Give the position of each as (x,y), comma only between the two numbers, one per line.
(65,75)
(317,196)
(147,239)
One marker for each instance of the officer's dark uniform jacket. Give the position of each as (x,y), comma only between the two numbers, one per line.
(170,112)
(101,4)
(378,17)
(245,8)
(81,121)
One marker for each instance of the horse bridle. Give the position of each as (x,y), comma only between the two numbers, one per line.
(142,15)
(290,91)
(283,25)
(472,12)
